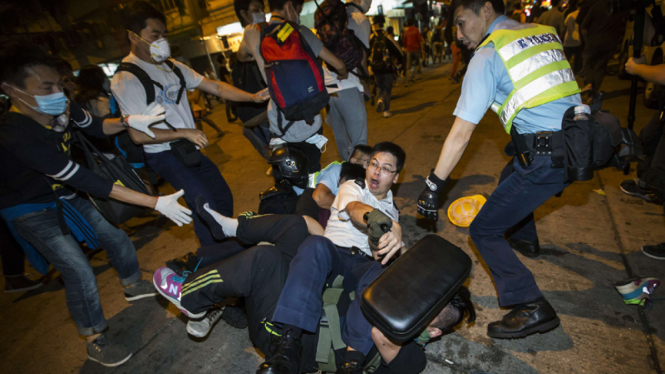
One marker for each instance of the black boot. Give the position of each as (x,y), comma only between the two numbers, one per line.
(525,319)
(351,367)
(528,249)
(286,359)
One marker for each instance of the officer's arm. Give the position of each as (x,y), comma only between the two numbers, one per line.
(227,91)
(323,196)
(454,146)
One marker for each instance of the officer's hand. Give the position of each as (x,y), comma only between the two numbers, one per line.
(378,223)
(390,243)
(428,201)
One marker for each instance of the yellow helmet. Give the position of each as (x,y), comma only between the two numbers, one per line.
(463,210)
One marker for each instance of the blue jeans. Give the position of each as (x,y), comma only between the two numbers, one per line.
(41,229)
(204,179)
(319,262)
(512,204)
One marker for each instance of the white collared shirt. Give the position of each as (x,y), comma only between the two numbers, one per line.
(341,230)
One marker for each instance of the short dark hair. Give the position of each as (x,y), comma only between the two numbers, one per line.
(362,148)
(17,57)
(351,171)
(91,83)
(475,5)
(239,5)
(390,30)
(394,150)
(279,4)
(458,307)
(138,13)
(554,3)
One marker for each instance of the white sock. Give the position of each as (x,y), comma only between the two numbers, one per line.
(229,225)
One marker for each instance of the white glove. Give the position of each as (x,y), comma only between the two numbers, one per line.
(141,122)
(168,206)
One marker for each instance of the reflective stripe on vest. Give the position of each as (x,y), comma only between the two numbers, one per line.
(535,62)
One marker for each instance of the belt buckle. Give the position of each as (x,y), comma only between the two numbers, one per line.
(543,143)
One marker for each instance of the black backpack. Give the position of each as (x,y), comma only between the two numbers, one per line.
(247,77)
(380,58)
(131,151)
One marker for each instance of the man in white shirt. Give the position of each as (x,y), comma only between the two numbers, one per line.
(344,251)
(347,116)
(301,135)
(184,167)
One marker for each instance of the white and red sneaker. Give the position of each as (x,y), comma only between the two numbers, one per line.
(169,284)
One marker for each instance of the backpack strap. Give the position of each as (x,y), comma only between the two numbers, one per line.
(330,331)
(143,77)
(181,77)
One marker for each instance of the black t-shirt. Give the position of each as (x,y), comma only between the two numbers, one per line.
(36,161)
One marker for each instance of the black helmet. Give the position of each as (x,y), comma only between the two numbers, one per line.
(291,164)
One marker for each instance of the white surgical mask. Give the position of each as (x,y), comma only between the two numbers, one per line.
(258,17)
(319,141)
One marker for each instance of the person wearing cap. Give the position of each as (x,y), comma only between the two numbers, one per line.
(531,91)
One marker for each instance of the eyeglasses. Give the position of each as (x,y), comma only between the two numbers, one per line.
(383,170)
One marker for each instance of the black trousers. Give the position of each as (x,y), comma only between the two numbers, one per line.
(13,258)
(307,206)
(652,169)
(257,274)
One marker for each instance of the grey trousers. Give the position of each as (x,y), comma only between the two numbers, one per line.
(348,119)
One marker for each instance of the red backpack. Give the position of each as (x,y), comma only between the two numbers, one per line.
(294,76)
(331,21)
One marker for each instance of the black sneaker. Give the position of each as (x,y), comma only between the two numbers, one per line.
(286,359)
(525,319)
(632,188)
(139,290)
(187,263)
(655,251)
(20,283)
(107,353)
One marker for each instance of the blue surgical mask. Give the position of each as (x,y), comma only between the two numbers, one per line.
(53,104)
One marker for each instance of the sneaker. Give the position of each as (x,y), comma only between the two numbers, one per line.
(169,284)
(655,251)
(637,291)
(106,353)
(632,188)
(387,114)
(379,106)
(20,283)
(140,290)
(201,328)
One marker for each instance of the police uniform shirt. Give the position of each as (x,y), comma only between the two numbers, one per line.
(488,81)
(36,161)
(329,176)
(131,96)
(341,230)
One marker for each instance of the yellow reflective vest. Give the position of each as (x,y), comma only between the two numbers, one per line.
(535,62)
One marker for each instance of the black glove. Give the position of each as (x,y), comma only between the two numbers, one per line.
(378,223)
(428,201)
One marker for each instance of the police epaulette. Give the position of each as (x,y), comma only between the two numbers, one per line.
(360,182)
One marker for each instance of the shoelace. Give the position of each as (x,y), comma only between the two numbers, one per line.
(187,272)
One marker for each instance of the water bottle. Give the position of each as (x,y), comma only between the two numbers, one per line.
(581,112)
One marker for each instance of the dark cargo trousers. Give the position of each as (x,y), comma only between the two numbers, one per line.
(511,205)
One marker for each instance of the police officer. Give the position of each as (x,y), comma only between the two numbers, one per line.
(520,71)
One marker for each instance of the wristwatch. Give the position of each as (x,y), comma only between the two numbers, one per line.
(123,121)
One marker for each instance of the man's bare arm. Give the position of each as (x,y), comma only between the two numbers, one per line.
(323,196)
(164,136)
(387,349)
(227,91)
